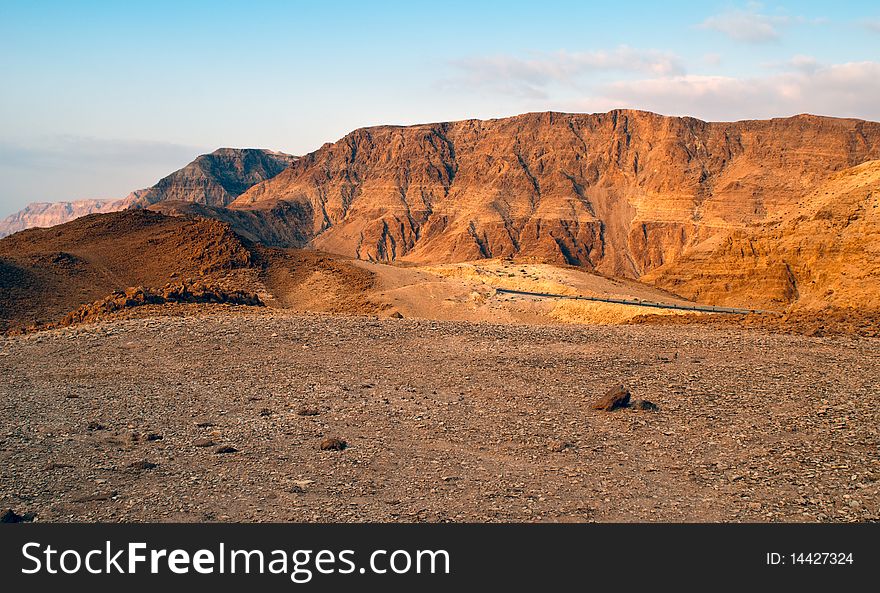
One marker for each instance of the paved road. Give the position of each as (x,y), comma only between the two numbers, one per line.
(638,302)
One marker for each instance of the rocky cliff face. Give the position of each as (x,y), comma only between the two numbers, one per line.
(825,253)
(45,214)
(622,193)
(214,179)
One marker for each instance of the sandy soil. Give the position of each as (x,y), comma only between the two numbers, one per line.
(445,421)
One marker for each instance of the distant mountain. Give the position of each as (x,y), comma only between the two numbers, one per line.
(45,214)
(214,179)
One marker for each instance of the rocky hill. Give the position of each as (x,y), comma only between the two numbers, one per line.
(216,179)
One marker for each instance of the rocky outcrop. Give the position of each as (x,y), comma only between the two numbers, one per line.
(622,193)
(170,293)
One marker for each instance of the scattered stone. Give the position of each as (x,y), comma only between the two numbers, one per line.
(225,449)
(206,424)
(333,444)
(153,436)
(396,315)
(95,497)
(614,398)
(53,466)
(93,426)
(308,412)
(559,446)
(647,406)
(142,465)
(204,443)
(266,412)
(11,516)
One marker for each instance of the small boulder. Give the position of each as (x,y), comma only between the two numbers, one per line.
(11,516)
(142,465)
(647,406)
(616,397)
(225,449)
(204,443)
(559,446)
(333,444)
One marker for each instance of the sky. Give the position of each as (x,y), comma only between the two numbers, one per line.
(100,98)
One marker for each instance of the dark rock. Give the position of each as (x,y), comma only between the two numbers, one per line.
(96,426)
(206,424)
(53,466)
(225,449)
(647,406)
(616,397)
(559,446)
(396,315)
(266,412)
(333,444)
(142,465)
(95,497)
(153,436)
(308,412)
(11,516)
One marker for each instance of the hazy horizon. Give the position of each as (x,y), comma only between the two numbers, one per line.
(104,99)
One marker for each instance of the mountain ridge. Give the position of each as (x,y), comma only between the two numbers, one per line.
(215,178)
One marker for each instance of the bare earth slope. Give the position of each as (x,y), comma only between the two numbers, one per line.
(44,273)
(623,192)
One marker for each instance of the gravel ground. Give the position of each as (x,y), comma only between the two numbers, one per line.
(444,421)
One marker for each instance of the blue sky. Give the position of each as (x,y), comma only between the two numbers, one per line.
(101,98)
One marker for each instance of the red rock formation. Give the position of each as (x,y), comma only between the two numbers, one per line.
(623,192)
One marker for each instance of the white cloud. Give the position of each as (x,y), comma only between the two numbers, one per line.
(804,63)
(530,77)
(712,59)
(746,25)
(844,90)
